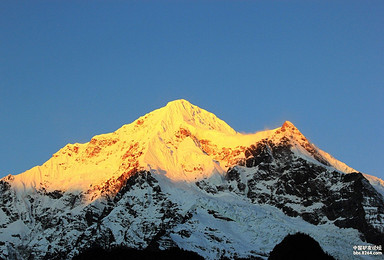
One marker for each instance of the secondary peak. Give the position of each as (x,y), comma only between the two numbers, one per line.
(289,128)
(289,125)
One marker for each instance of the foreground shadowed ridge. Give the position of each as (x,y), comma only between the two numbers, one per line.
(298,246)
(129,253)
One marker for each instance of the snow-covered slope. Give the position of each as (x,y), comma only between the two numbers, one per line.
(376,182)
(180,176)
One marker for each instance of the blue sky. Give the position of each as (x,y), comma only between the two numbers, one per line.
(72,69)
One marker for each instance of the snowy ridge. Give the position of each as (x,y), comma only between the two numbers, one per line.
(336,163)
(377,183)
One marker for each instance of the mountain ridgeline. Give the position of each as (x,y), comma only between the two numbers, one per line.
(179,180)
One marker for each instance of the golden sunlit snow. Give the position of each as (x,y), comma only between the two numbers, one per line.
(180,140)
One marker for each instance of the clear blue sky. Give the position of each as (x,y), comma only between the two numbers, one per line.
(72,69)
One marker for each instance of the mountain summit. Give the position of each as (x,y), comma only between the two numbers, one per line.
(181,112)
(180,177)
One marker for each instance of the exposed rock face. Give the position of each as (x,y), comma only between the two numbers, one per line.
(275,176)
(137,217)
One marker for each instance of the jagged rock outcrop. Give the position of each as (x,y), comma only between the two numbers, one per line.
(274,175)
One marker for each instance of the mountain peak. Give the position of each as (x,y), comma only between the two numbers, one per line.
(181,107)
(288,126)
(178,175)
(290,130)
(178,102)
(181,111)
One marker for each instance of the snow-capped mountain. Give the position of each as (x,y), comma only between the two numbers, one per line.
(181,177)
